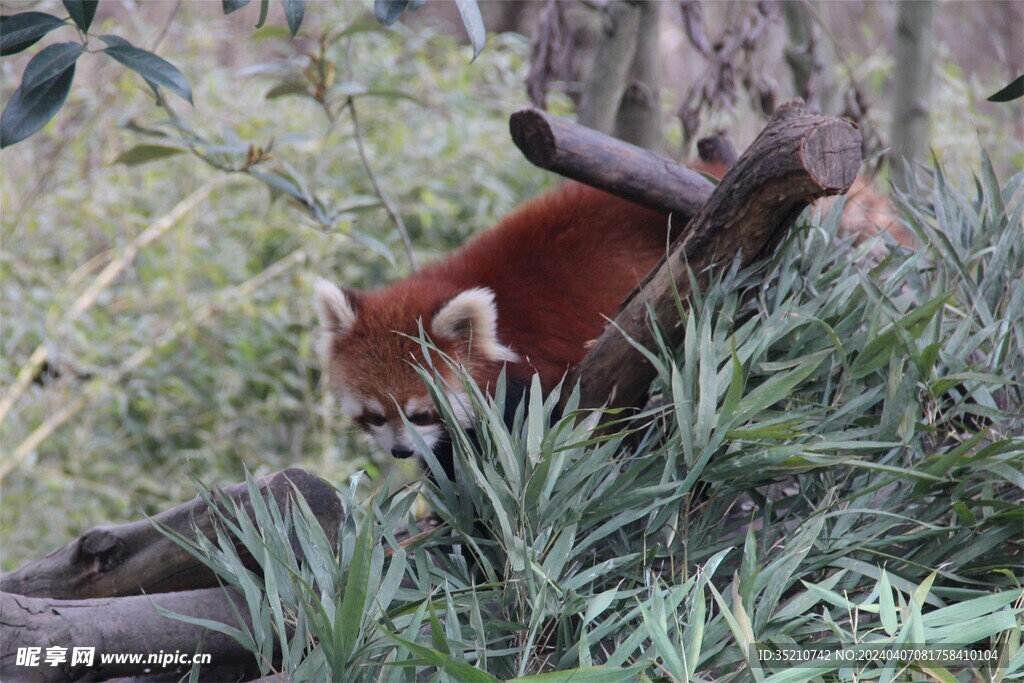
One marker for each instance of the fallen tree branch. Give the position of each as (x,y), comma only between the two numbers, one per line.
(599,160)
(126,625)
(796,159)
(134,558)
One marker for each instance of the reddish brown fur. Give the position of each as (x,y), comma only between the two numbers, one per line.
(869,213)
(558,266)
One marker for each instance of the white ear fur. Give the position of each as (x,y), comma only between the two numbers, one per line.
(337,316)
(472,317)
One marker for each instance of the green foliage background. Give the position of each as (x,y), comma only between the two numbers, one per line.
(239,388)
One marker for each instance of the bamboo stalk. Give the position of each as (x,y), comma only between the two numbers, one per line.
(86,299)
(223,301)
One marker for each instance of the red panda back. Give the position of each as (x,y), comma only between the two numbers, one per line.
(559,266)
(527,295)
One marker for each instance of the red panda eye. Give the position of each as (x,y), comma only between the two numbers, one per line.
(375,419)
(423,418)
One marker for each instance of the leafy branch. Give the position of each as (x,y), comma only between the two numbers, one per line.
(47,78)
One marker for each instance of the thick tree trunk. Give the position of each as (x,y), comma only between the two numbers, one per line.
(599,160)
(915,40)
(807,56)
(607,80)
(130,559)
(797,158)
(639,118)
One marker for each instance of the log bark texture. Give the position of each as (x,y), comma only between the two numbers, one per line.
(796,159)
(134,558)
(126,625)
(599,160)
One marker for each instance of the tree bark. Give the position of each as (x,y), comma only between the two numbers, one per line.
(134,558)
(599,160)
(606,82)
(125,625)
(639,117)
(797,158)
(915,39)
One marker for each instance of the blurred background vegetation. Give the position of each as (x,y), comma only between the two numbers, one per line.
(196,359)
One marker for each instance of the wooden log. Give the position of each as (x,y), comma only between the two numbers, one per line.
(609,164)
(126,625)
(717,150)
(134,558)
(796,159)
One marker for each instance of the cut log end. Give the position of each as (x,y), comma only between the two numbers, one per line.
(587,156)
(831,154)
(532,134)
(101,549)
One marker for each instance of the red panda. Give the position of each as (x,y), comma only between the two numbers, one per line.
(526,296)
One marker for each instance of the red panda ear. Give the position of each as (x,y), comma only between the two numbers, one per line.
(472,318)
(334,308)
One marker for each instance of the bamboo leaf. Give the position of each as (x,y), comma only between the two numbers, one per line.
(230,6)
(387,12)
(264,9)
(469,10)
(586,674)
(141,154)
(349,618)
(1014,90)
(886,606)
(459,670)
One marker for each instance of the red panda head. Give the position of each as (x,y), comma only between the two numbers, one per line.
(370,349)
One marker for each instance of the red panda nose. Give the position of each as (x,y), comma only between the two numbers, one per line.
(400,452)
